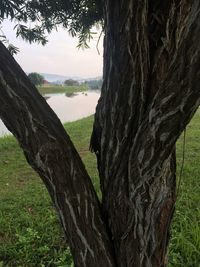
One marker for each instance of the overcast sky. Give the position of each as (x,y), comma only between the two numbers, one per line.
(59,56)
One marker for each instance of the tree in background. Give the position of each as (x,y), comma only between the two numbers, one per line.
(94,84)
(71,82)
(36,78)
(149,94)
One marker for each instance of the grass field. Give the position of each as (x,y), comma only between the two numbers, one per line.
(62,89)
(29,231)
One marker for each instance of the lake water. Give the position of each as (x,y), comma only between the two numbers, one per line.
(68,107)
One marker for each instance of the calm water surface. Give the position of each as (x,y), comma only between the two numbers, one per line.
(68,107)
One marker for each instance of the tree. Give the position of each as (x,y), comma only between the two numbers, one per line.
(71,82)
(150,92)
(36,78)
(94,84)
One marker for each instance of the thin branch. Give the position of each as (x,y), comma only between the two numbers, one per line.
(97,45)
(182,164)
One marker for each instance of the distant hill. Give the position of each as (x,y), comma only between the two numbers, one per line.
(56,78)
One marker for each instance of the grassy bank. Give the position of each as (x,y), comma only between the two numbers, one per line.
(29,231)
(62,89)
(185,240)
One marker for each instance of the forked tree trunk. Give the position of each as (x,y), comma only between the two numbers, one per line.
(150,92)
(139,117)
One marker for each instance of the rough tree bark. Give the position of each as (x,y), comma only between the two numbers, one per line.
(150,92)
(50,152)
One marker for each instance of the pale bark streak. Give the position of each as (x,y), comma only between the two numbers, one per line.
(150,92)
(50,152)
(134,137)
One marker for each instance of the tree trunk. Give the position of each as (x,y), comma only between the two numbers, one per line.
(150,92)
(49,150)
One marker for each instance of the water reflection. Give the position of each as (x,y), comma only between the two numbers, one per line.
(68,107)
(70,94)
(3,129)
(73,108)
(46,97)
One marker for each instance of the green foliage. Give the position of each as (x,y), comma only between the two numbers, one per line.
(71,82)
(77,16)
(95,84)
(11,48)
(62,89)
(31,34)
(36,78)
(12,9)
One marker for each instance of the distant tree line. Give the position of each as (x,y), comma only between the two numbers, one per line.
(36,78)
(94,84)
(71,82)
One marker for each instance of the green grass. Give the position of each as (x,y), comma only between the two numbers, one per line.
(62,89)
(29,230)
(30,234)
(185,240)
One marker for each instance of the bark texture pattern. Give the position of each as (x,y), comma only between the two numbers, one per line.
(150,92)
(50,152)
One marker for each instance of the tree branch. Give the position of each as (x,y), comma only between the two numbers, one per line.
(177,97)
(50,152)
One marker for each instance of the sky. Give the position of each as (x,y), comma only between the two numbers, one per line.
(58,56)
